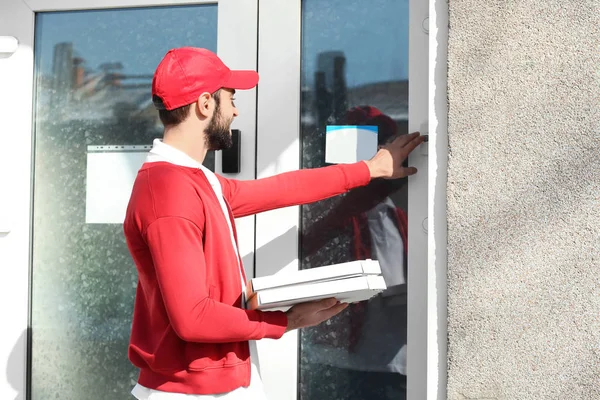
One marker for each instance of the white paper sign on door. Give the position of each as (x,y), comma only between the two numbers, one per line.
(345,144)
(111,171)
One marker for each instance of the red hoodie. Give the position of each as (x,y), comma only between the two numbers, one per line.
(189,332)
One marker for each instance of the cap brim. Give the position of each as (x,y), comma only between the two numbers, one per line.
(242,80)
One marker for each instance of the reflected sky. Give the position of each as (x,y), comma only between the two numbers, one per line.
(348,26)
(138,37)
(129,36)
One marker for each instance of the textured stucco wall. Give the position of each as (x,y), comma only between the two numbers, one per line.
(524,199)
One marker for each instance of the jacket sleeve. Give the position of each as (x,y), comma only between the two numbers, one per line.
(176,247)
(293,188)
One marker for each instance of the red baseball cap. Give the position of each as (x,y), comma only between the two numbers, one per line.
(187,72)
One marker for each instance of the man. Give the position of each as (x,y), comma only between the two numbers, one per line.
(191,335)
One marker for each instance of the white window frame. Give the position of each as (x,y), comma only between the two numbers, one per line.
(237,46)
(436,311)
(278,150)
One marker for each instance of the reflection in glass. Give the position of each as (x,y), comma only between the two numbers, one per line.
(355,72)
(93,83)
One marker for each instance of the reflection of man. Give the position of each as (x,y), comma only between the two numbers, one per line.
(191,336)
(386,238)
(378,327)
(373,358)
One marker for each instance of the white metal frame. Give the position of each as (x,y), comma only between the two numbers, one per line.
(237,46)
(437,223)
(418,81)
(278,150)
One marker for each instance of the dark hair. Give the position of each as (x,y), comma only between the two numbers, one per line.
(175,116)
(178,115)
(217,96)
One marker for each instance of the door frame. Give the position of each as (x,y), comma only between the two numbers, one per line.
(236,45)
(278,150)
(16,107)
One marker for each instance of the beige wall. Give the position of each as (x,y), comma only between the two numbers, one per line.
(524,199)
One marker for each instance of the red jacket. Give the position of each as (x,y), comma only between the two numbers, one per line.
(189,332)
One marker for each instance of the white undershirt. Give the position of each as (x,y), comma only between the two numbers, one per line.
(255,391)
(386,243)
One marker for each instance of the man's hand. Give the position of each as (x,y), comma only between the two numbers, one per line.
(312,313)
(387,163)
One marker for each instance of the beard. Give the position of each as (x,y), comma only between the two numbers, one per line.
(218,133)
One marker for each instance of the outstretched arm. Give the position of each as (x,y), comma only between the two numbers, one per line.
(293,188)
(310,185)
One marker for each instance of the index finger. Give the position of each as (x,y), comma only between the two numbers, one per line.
(402,140)
(410,146)
(326,303)
(334,310)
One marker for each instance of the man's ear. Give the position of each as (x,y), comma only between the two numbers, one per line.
(204,105)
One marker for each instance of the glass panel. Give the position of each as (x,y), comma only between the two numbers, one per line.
(93,83)
(355,72)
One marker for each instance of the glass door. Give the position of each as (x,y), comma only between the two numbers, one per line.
(92,124)
(346,62)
